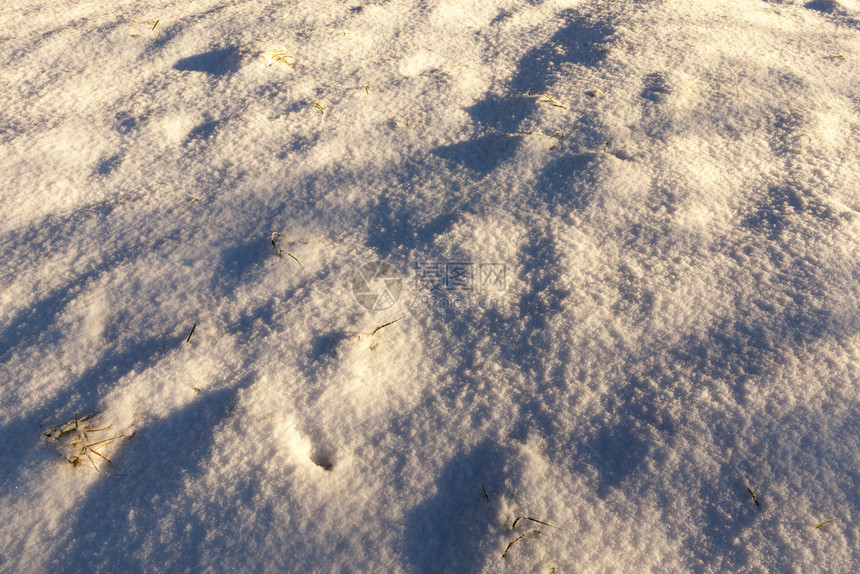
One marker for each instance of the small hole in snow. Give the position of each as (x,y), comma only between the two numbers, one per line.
(323,460)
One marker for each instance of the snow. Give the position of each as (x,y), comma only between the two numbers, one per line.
(656,204)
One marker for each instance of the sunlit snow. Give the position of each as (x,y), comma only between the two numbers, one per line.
(351,286)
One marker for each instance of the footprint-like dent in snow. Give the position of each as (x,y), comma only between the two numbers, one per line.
(831,6)
(108,165)
(203,131)
(216,62)
(323,458)
(656,87)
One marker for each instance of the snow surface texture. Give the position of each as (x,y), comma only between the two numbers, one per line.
(669,378)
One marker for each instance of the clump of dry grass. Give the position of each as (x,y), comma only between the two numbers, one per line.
(79,446)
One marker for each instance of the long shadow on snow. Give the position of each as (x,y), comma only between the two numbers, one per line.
(732,355)
(216,62)
(392,227)
(567,184)
(527,339)
(736,350)
(455,530)
(51,235)
(237,261)
(736,353)
(33,325)
(773,217)
(578,42)
(28,325)
(156,462)
(83,391)
(81,395)
(834,11)
(726,509)
(733,352)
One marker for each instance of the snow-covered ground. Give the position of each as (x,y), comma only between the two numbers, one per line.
(620,293)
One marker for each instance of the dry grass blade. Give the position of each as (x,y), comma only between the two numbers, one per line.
(280,250)
(386,325)
(57,358)
(519,538)
(534,520)
(826,522)
(547,99)
(284,57)
(155,24)
(80,447)
(296,260)
(754,497)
